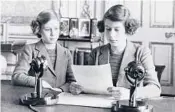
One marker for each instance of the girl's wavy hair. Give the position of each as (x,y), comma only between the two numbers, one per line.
(42,18)
(119,13)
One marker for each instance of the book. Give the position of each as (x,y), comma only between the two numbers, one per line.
(72,54)
(75,57)
(86,56)
(80,58)
(81,55)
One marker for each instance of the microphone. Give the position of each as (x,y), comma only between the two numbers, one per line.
(39,64)
(135,73)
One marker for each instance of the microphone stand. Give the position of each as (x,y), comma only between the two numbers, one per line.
(133,92)
(37,97)
(39,88)
(34,98)
(133,71)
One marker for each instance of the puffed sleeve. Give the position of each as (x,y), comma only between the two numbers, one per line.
(144,56)
(69,73)
(20,75)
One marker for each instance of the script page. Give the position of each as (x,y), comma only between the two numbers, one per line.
(90,100)
(93,78)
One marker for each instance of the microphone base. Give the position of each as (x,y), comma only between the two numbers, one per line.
(142,106)
(124,108)
(28,99)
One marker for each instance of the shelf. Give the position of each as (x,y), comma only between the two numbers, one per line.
(10,46)
(75,39)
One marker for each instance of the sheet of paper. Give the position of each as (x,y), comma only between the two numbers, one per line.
(90,100)
(94,79)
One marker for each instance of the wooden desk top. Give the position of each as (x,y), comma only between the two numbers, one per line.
(10,102)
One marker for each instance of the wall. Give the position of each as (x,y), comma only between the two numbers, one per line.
(157,29)
(18,15)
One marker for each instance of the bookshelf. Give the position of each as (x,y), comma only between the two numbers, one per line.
(75,39)
(80,56)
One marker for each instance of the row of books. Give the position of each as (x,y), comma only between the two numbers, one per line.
(80,57)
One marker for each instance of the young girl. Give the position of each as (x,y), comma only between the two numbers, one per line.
(59,73)
(116,26)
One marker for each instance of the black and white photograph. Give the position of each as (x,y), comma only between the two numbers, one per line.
(73,33)
(84,27)
(64,27)
(87,55)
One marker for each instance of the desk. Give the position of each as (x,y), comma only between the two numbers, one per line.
(10,102)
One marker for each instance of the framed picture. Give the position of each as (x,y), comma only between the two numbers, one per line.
(93,27)
(64,27)
(73,33)
(84,28)
(2,31)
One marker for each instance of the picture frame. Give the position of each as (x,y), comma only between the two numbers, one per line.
(74,28)
(64,27)
(2,31)
(94,27)
(84,28)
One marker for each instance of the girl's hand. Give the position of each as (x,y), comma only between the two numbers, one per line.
(75,88)
(46,85)
(119,93)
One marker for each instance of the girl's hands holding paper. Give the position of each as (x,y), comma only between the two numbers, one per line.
(119,93)
(46,85)
(75,88)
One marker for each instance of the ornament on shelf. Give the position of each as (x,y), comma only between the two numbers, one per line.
(85,10)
